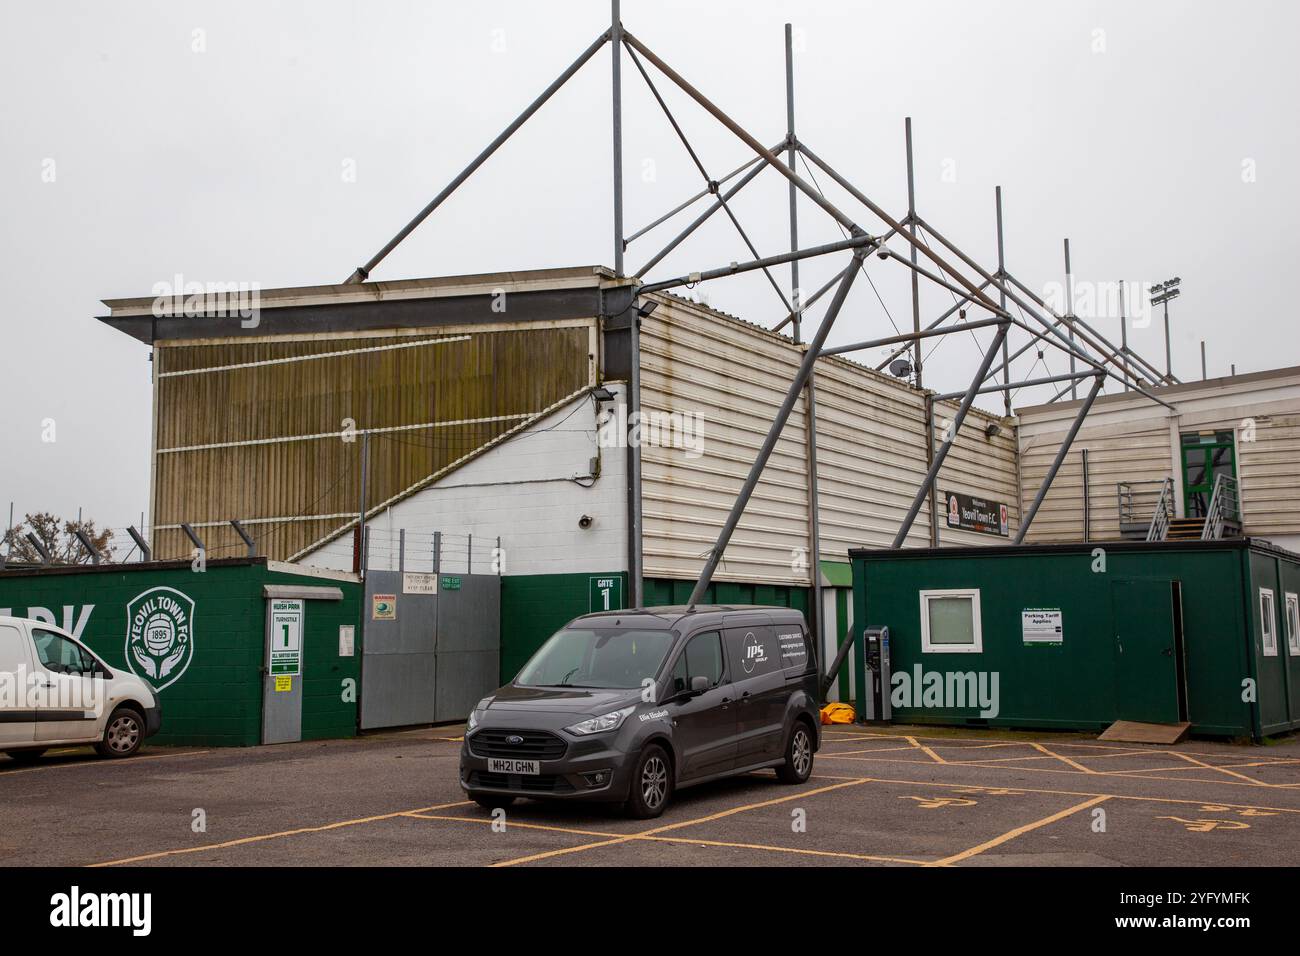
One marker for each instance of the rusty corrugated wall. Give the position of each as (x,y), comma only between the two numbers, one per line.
(256,429)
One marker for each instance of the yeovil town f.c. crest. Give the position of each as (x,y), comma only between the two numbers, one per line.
(160,635)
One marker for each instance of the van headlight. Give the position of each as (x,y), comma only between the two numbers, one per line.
(474,714)
(596,725)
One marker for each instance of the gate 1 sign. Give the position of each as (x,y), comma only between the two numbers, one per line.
(286,638)
(605,594)
(977,514)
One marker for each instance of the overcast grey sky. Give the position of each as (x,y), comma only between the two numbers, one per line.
(209,139)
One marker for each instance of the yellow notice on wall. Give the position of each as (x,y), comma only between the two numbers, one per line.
(283,682)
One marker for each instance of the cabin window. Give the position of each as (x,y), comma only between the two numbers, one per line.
(1292,623)
(1267,622)
(950,621)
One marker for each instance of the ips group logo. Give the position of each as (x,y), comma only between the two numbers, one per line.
(160,635)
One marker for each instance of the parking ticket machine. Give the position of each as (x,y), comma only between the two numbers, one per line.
(876,700)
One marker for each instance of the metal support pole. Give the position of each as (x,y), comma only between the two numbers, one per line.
(1169,354)
(1123,335)
(812,299)
(44,552)
(1045,380)
(636,510)
(815,614)
(909,336)
(194,538)
(89,545)
(911,231)
(856,242)
(808,190)
(956,307)
(146,553)
(363,272)
(1203,375)
(361,504)
(796,306)
(401,549)
(1028,517)
(976,293)
(1002,301)
(437,551)
(244,536)
(699,220)
(1069,315)
(616,60)
(937,463)
(773,433)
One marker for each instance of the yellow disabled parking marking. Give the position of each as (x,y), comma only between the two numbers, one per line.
(1206,826)
(1019,831)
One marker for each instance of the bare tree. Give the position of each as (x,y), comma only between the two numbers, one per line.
(59,538)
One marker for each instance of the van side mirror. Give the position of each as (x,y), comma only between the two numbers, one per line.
(699,685)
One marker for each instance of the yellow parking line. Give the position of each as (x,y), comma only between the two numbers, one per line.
(869,750)
(272,836)
(1019,831)
(1130,775)
(934,756)
(101,763)
(685,823)
(1066,760)
(639,837)
(1210,766)
(1065,793)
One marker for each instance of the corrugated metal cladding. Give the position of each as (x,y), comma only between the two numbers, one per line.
(871,452)
(1266,468)
(253,429)
(1131,439)
(1136,451)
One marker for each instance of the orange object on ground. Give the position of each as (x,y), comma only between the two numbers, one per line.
(837,714)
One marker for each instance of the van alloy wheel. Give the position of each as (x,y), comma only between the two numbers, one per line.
(801,752)
(797,767)
(654,782)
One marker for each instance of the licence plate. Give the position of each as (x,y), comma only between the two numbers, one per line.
(503,765)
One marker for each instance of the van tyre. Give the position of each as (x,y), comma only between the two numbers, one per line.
(492,801)
(26,756)
(798,755)
(652,784)
(123,734)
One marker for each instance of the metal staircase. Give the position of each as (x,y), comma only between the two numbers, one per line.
(1221,520)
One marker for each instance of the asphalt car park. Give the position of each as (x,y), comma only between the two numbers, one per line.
(877,796)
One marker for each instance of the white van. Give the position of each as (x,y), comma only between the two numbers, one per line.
(55,691)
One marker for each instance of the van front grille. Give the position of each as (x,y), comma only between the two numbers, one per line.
(532,745)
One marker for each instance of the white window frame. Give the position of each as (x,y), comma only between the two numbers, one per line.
(1292,602)
(976,628)
(1267,621)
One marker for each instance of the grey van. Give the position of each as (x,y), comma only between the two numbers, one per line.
(630,706)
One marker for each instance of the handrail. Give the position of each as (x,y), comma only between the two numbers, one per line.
(1159,529)
(1224,506)
(1136,500)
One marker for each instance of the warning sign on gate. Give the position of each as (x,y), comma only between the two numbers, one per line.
(383,607)
(286,638)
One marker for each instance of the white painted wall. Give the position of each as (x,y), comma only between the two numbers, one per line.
(521,492)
